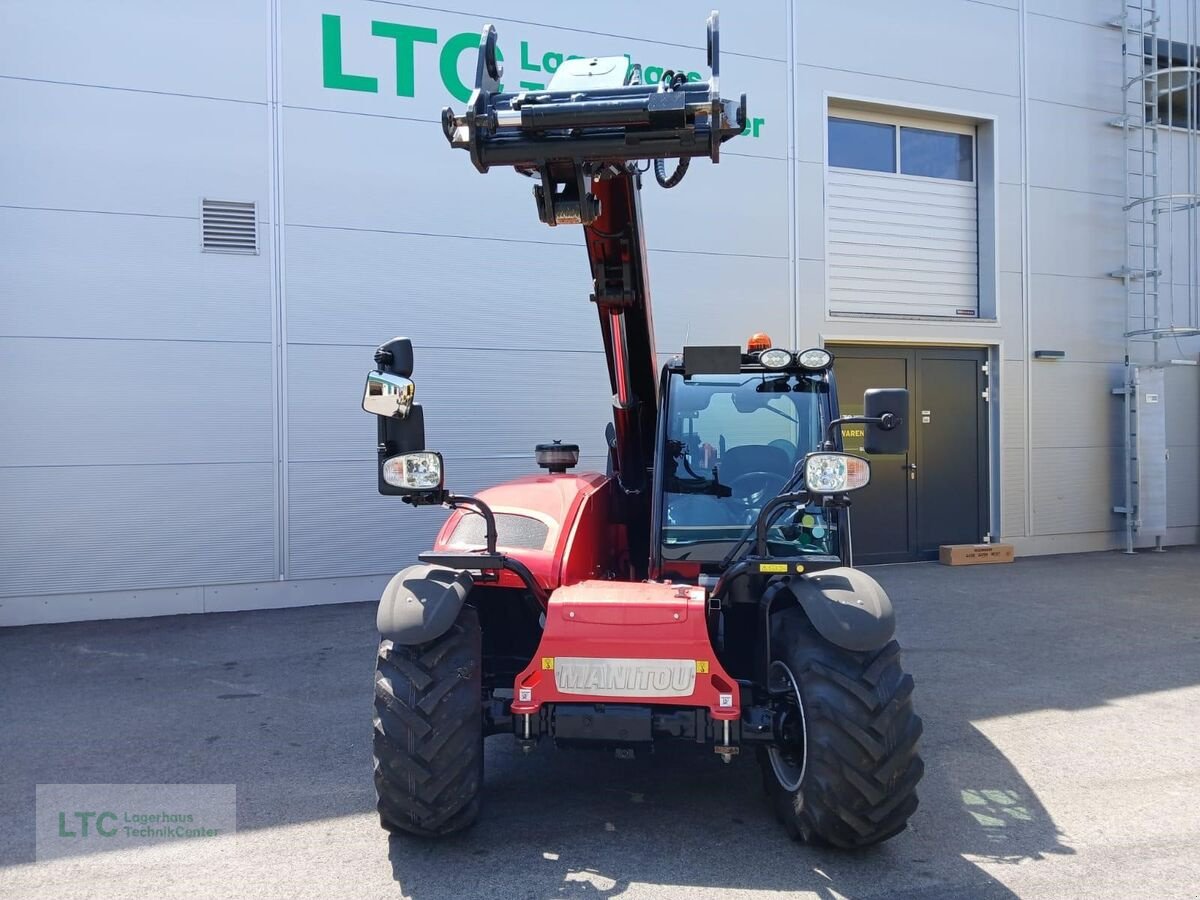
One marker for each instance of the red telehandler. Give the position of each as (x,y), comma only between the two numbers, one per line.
(699,591)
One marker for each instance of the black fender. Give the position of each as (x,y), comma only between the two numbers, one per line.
(421,603)
(847,607)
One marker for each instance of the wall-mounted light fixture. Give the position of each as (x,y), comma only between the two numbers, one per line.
(1049,354)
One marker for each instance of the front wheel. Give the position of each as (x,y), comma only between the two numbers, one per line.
(428,744)
(845,769)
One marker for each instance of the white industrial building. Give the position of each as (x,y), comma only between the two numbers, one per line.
(211,212)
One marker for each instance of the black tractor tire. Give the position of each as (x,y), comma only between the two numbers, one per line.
(854,783)
(428,744)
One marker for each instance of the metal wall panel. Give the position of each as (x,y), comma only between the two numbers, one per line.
(159,402)
(940,42)
(128,277)
(1075,234)
(1073,404)
(122,151)
(1012,405)
(1013,477)
(1075,149)
(1083,316)
(211,48)
(1074,64)
(1072,489)
(100,528)
(753,30)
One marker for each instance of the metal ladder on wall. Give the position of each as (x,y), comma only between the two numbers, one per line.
(1160,207)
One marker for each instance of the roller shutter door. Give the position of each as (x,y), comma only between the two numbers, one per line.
(901,244)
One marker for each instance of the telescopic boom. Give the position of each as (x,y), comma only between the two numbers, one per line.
(581,139)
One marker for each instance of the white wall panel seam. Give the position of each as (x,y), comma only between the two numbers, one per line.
(526,241)
(130,90)
(900,78)
(105,212)
(142,340)
(1026,251)
(279,397)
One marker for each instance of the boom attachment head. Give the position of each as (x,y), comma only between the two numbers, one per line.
(593,121)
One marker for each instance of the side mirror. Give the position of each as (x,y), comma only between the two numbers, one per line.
(387,395)
(891,405)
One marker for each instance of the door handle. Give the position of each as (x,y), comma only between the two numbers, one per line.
(912,471)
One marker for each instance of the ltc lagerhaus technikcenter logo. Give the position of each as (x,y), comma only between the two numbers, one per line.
(536,65)
(74,819)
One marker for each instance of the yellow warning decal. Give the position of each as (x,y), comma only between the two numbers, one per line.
(773,567)
(547,662)
(702,667)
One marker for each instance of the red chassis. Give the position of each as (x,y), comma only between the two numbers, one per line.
(604,640)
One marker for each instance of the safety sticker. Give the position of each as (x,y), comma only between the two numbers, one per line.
(773,567)
(547,662)
(702,667)
(525,695)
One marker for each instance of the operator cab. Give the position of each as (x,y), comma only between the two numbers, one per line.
(732,441)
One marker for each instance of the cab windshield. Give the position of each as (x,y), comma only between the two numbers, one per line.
(733,441)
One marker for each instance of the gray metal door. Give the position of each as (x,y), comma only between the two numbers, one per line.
(936,493)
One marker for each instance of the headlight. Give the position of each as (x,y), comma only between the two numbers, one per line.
(775,359)
(416,472)
(835,473)
(816,358)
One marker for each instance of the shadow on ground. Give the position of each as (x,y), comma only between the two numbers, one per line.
(279,702)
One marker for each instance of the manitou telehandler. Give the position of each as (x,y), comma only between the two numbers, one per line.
(701,590)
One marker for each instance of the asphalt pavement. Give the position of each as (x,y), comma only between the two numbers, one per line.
(1061,699)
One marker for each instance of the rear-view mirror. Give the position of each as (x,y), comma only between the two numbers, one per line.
(890,405)
(387,395)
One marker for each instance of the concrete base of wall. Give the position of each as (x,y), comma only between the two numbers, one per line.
(175,601)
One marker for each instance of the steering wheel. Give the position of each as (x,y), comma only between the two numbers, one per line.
(756,487)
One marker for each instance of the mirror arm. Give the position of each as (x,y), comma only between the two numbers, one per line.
(888,422)
(489,519)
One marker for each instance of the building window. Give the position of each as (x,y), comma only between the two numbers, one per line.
(862,145)
(937,154)
(908,150)
(1173,97)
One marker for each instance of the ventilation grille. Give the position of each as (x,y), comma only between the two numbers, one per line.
(229,226)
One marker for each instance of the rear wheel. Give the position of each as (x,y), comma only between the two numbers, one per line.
(846,768)
(428,744)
